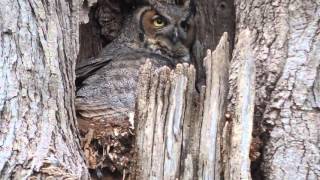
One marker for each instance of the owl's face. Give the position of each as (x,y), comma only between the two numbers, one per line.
(168,29)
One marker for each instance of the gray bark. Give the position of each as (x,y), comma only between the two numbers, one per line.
(276,59)
(39,45)
(286,44)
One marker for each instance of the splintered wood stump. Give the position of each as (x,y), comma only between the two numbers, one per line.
(183,134)
(241,108)
(165,100)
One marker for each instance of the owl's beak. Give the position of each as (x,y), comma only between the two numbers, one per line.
(175,36)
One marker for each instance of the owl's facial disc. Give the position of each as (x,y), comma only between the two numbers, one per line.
(168,33)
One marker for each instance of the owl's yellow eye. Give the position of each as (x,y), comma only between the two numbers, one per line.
(159,22)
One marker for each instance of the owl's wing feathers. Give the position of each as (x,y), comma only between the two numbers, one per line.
(90,66)
(109,53)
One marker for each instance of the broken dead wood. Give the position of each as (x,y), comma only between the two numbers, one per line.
(237,148)
(160,114)
(216,64)
(179,132)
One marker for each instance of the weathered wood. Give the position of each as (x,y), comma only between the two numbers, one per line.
(38,49)
(176,135)
(242,108)
(161,107)
(216,64)
(191,133)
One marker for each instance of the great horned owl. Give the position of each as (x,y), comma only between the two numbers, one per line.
(161,31)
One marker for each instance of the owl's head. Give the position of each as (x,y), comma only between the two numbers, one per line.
(167,29)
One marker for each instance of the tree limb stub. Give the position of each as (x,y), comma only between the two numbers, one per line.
(216,64)
(179,133)
(238,163)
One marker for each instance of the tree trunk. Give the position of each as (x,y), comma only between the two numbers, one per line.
(38,50)
(281,41)
(273,101)
(285,40)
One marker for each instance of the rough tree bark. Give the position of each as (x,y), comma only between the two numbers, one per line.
(278,40)
(38,50)
(285,42)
